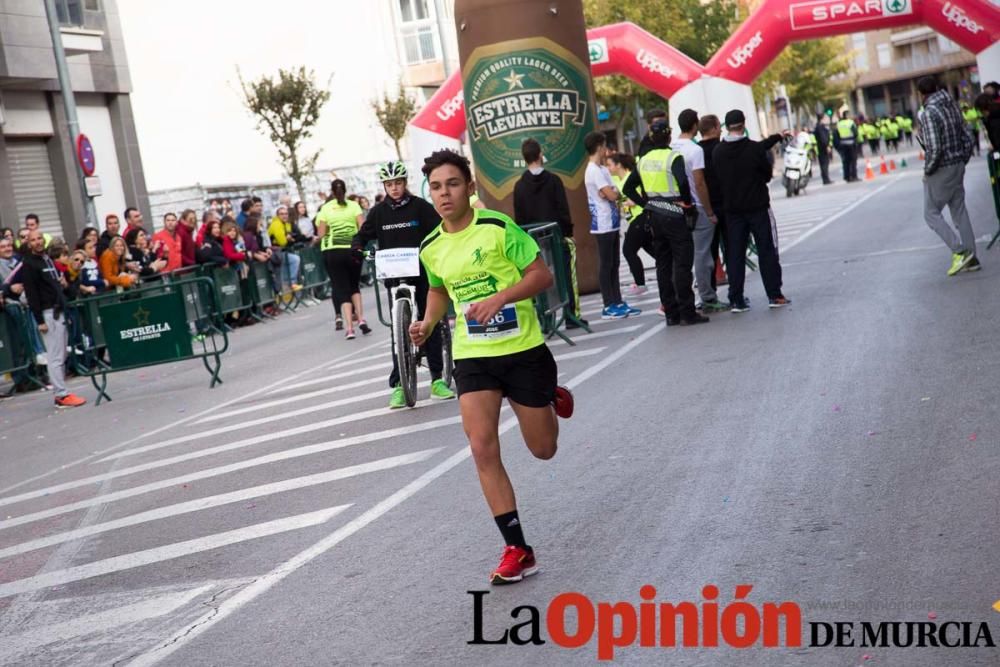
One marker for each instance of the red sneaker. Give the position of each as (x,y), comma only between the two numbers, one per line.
(69,401)
(563,402)
(515,564)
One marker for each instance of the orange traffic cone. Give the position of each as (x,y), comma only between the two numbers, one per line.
(921,156)
(892,165)
(882,168)
(869,173)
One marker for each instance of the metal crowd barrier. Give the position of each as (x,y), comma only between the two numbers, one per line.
(993,165)
(17,354)
(551,305)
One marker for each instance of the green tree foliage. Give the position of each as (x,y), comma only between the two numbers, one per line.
(814,73)
(287,108)
(394,114)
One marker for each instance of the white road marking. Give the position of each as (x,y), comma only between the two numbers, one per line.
(45,635)
(300,398)
(289,414)
(647,298)
(263,584)
(305,450)
(219,500)
(579,354)
(172,425)
(168,552)
(586,338)
(840,214)
(328,378)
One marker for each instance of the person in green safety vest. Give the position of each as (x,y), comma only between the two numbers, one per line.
(870,134)
(907,126)
(621,166)
(845,139)
(893,133)
(971,116)
(660,184)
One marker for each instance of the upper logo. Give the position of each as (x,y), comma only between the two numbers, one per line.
(960,18)
(741,55)
(520,89)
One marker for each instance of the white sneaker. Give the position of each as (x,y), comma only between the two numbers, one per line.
(41,360)
(638,289)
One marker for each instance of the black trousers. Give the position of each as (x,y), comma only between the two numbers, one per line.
(609,260)
(824,166)
(637,238)
(849,157)
(720,242)
(431,348)
(673,248)
(345,275)
(741,226)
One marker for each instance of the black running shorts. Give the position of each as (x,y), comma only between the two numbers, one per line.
(528,378)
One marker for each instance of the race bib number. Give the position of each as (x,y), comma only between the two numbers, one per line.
(502,325)
(397,263)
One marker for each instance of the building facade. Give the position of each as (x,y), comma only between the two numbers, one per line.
(888,64)
(37,156)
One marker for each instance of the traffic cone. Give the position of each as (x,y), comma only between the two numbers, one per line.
(921,156)
(869,173)
(902,163)
(892,165)
(883,169)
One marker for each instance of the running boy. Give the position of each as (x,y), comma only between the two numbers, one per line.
(491,269)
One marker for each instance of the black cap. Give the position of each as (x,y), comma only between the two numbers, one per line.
(661,126)
(735,117)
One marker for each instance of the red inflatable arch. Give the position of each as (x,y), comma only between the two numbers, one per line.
(973,24)
(624,48)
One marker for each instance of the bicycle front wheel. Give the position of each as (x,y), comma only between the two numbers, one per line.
(448,367)
(401,319)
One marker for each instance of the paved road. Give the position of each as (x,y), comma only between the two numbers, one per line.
(840,453)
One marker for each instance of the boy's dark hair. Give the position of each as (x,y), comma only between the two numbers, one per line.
(246,205)
(593,141)
(927,85)
(687,120)
(531,151)
(31,216)
(446,156)
(655,113)
(623,160)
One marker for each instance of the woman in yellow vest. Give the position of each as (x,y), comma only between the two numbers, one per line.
(637,237)
(337,222)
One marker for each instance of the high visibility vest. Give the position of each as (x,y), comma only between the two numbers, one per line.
(655,173)
(845,130)
(631,212)
(971,118)
(907,124)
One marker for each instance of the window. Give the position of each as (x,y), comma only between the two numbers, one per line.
(70,12)
(418,44)
(884,55)
(92,5)
(860,48)
(413,10)
(945,45)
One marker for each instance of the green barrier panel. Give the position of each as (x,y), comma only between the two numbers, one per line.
(551,304)
(313,271)
(993,165)
(153,325)
(227,282)
(17,354)
(10,361)
(261,288)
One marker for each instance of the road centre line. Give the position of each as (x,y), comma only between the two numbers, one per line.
(264,583)
(837,216)
(103,621)
(172,425)
(219,500)
(207,473)
(167,552)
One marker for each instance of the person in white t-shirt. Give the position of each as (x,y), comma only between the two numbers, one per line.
(605,225)
(704,229)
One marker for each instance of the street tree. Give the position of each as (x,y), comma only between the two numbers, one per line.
(814,72)
(287,108)
(394,113)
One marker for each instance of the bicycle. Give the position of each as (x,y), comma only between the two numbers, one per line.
(399,265)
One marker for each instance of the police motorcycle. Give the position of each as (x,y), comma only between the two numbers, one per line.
(798,157)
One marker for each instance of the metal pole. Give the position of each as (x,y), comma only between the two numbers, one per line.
(442,27)
(69,101)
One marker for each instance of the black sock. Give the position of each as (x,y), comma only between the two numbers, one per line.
(510,528)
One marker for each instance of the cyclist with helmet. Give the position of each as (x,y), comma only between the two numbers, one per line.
(403,220)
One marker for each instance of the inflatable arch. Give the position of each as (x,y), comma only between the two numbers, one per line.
(723,83)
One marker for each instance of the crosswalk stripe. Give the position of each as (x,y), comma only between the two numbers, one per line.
(104,621)
(317,407)
(305,450)
(168,552)
(298,398)
(647,300)
(219,500)
(586,338)
(335,376)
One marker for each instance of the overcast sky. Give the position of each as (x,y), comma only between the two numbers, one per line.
(183,56)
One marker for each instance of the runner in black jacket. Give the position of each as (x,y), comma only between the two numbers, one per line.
(403,220)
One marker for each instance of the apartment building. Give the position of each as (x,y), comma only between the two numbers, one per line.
(888,64)
(37,157)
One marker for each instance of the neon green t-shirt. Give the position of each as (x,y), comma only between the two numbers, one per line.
(341,223)
(484,258)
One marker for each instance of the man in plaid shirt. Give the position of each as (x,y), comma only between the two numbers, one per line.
(947,146)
